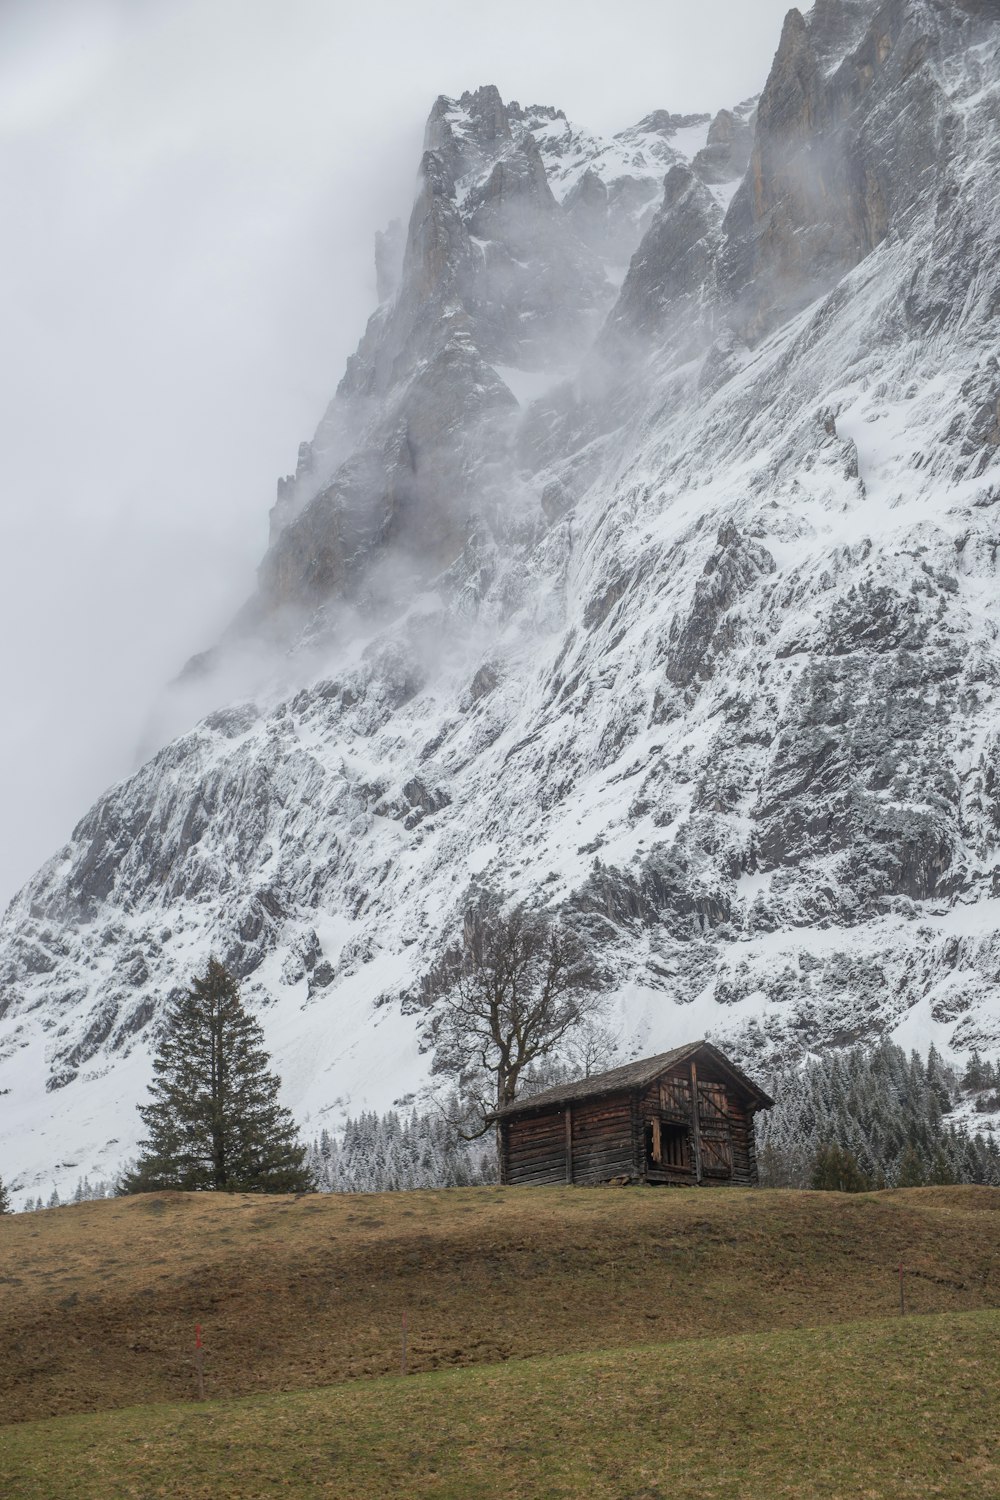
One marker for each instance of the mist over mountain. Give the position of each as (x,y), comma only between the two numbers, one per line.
(643,566)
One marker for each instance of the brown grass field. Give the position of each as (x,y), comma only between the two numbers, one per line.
(661,1295)
(877,1410)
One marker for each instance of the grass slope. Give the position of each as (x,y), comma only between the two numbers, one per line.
(878,1410)
(98,1302)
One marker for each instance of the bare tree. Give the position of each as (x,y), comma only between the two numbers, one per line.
(593,1048)
(510,993)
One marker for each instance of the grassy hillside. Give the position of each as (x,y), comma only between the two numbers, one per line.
(98,1302)
(879,1410)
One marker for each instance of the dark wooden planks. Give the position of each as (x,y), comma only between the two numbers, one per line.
(602,1139)
(590,1144)
(535,1148)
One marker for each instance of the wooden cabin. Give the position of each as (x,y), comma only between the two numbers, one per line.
(683,1117)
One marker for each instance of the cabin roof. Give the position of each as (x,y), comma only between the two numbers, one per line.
(634,1075)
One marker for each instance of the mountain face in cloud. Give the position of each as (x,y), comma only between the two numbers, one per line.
(643,565)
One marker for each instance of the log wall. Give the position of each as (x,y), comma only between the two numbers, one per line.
(587,1142)
(533,1149)
(602,1139)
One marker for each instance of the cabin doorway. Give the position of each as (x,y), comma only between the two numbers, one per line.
(668,1146)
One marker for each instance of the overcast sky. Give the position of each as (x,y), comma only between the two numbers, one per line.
(190,190)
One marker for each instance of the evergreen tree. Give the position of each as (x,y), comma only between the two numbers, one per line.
(213,1119)
(976,1075)
(911,1169)
(937,1080)
(836,1171)
(941,1173)
(5,1207)
(378,1154)
(881,1106)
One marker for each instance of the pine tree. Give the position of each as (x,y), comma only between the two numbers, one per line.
(213,1118)
(836,1171)
(936,1079)
(5,1207)
(911,1169)
(940,1174)
(976,1075)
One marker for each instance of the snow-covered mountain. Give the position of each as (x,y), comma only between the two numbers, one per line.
(643,565)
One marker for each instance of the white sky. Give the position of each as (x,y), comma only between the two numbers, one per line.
(190,192)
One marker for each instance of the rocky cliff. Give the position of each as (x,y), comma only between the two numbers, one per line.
(644,565)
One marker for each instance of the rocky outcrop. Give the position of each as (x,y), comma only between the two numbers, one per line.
(667,300)
(842,156)
(491,272)
(733,568)
(390,245)
(726,154)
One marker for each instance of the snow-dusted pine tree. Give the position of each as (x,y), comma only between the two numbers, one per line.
(214,1119)
(889,1112)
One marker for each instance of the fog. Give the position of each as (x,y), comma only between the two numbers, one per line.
(191,192)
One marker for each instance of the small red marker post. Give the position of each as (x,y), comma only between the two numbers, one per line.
(902,1294)
(199,1361)
(402,1363)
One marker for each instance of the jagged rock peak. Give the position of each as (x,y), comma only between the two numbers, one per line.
(853,136)
(490,272)
(662,122)
(471,131)
(837,26)
(521,228)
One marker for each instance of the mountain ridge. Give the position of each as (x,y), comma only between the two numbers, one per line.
(690,641)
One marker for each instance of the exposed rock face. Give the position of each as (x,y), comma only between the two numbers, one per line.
(611,202)
(843,155)
(726,154)
(667,299)
(492,272)
(673,609)
(732,570)
(390,245)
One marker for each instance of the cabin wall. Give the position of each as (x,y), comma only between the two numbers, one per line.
(602,1139)
(725,1123)
(668,1099)
(740,1121)
(596,1145)
(533,1149)
(744,1156)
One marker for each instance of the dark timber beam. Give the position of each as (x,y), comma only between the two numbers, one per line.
(695,1123)
(569,1143)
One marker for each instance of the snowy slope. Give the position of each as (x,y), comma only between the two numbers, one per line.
(671,605)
